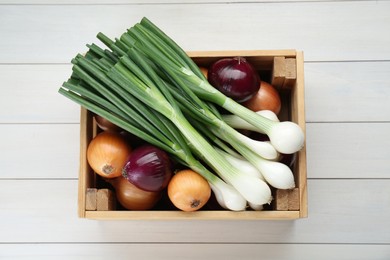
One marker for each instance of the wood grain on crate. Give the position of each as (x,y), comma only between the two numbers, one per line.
(105,200)
(261,60)
(91,199)
(278,72)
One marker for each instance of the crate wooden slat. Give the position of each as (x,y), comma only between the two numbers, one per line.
(198,215)
(294,110)
(278,72)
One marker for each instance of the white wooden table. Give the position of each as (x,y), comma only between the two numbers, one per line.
(347,69)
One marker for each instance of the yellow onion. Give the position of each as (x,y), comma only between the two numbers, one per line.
(133,198)
(107,154)
(188,191)
(266,98)
(106,125)
(204,71)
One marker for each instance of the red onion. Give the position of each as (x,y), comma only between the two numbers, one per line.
(234,77)
(148,168)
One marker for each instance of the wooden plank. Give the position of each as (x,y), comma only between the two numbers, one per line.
(337,207)
(136,2)
(39,151)
(334,150)
(44,27)
(291,73)
(293,199)
(281,200)
(29,95)
(193,251)
(298,115)
(347,91)
(348,150)
(193,216)
(91,199)
(278,72)
(87,132)
(105,200)
(287,199)
(345,88)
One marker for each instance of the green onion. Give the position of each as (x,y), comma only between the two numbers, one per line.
(251,188)
(238,123)
(240,162)
(276,174)
(146,84)
(103,96)
(286,137)
(220,165)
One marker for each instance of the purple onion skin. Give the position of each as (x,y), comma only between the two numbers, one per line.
(148,168)
(234,77)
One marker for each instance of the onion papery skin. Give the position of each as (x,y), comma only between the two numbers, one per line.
(106,125)
(148,168)
(133,198)
(235,78)
(107,154)
(188,190)
(204,71)
(266,98)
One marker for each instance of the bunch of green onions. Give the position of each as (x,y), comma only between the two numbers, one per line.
(147,85)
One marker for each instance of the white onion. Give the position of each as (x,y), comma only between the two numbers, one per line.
(227,196)
(239,123)
(256,207)
(242,165)
(287,137)
(277,174)
(268,114)
(253,189)
(264,149)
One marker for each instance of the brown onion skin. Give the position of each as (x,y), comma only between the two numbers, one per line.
(132,198)
(106,125)
(188,191)
(204,71)
(107,154)
(266,98)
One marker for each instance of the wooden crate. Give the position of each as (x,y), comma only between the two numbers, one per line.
(291,205)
